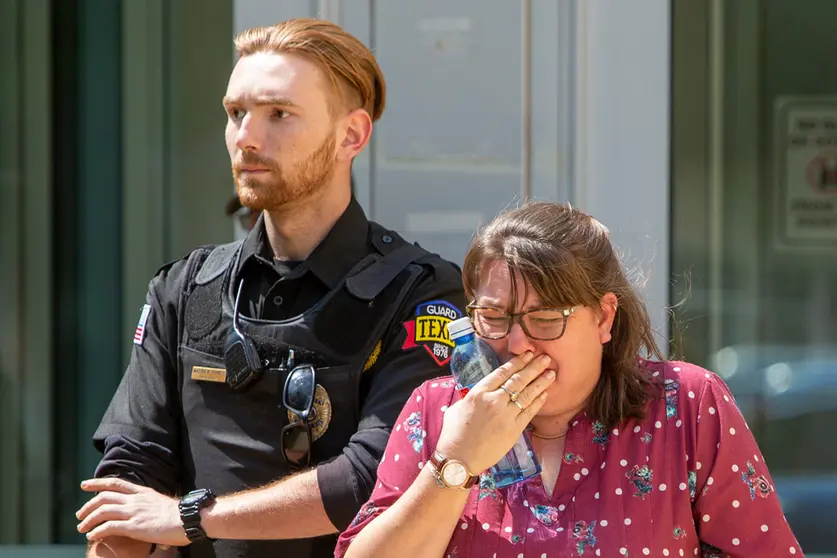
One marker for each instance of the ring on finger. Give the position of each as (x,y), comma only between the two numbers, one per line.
(513,395)
(519,406)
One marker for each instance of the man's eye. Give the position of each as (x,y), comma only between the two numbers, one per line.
(236,113)
(278,114)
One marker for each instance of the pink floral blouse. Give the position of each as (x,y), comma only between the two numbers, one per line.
(689,480)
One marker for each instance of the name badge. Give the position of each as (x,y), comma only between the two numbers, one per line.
(206,374)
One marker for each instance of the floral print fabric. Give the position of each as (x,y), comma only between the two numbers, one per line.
(689,480)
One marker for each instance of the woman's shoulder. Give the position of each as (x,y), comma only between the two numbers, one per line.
(684,385)
(440,386)
(682,374)
(438,392)
(423,413)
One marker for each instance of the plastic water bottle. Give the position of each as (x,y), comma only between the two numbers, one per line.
(471,361)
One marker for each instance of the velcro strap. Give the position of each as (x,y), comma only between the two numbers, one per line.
(217,262)
(368,283)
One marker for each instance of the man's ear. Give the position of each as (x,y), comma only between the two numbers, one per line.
(357,131)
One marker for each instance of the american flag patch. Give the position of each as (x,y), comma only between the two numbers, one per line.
(139,334)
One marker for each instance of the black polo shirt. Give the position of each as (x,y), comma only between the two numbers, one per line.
(139,432)
(276,290)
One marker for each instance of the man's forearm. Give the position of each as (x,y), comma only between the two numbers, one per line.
(118,547)
(289,509)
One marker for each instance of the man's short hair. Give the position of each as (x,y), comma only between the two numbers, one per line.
(356,79)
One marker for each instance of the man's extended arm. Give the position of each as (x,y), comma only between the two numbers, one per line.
(123,547)
(259,513)
(119,547)
(263,513)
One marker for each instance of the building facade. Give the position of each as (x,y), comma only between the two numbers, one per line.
(702,134)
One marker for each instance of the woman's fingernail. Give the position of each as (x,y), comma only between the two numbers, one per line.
(527,356)
(550,375)
(545,359)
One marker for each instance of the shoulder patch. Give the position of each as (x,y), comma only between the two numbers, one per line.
(139,334)
(429,330)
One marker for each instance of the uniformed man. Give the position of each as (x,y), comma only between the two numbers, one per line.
(266,374)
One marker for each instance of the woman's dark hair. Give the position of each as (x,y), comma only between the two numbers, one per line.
(566,256)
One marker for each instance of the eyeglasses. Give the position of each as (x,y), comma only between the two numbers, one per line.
(298,397)
(542,324)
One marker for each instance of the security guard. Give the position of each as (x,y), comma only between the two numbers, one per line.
(267,373)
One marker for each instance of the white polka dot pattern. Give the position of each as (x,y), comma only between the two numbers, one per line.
(662,470)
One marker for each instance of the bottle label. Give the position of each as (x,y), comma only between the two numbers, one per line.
(474,371)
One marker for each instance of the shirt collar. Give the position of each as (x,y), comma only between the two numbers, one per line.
(344,245)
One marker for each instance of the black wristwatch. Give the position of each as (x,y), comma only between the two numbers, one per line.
(190,512)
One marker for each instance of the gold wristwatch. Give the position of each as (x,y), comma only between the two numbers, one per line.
(451,473)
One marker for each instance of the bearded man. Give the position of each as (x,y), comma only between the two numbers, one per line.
(266,374)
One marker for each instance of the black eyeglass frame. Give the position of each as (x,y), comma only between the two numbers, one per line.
(517,317)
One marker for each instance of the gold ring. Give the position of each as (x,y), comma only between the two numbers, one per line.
(519,406)
(512,394)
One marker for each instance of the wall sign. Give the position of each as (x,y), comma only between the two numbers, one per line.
(806,172)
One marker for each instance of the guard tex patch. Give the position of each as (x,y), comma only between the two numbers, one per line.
(429,329)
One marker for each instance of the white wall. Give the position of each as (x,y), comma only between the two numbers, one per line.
(622,133)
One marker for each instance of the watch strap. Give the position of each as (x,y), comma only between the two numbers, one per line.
(190,513)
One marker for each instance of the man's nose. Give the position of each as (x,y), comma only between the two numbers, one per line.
(248,137)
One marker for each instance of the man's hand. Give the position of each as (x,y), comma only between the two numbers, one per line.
(123,509)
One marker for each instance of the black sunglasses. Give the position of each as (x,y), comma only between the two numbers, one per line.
(298,397)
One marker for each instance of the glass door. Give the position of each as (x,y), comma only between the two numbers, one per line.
(754,230)
(26,483)
(112,162)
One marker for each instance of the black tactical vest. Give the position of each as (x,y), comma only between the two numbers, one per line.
(231,440)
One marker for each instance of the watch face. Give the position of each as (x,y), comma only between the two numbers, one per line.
(190,499)
(193,497)
(455,473)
